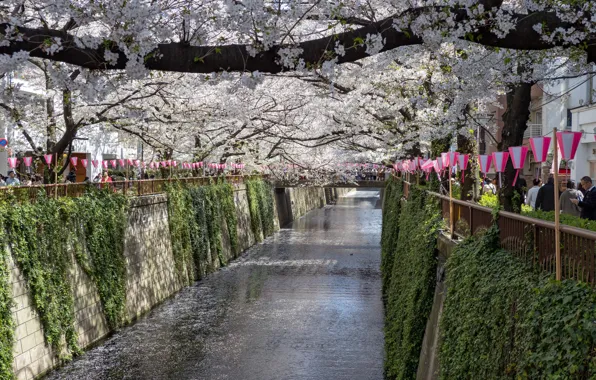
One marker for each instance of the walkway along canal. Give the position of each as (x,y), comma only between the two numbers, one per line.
(305,304)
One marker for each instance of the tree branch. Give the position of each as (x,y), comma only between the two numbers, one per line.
(180,57)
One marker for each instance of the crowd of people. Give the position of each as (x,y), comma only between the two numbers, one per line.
(579,201)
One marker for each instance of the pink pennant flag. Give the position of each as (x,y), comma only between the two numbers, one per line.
(122,162)
(169,162)
(568,143)
(48,158)
(462,163)
(104,164)
(12,162)
(129,162)
(74,161)
(174,163)
(84,162)
(144,164)
(540,146)
(114,163)
(137,163)
(445,159)
(164,164)
(500,161)
(484,161)
(453,156)
(440,163)
(95,163)
(518,159)
(27,161)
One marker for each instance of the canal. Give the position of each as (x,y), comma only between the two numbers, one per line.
(305,304)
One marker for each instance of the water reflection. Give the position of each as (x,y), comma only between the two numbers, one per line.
(306,304)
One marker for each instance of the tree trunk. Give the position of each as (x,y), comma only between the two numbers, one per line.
(515,118)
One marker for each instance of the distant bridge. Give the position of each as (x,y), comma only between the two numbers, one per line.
(354,184)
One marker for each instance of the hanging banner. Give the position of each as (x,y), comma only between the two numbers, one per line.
(104,164)
(500,161)
(129,162)
(84,163)
(137,163)
(568,143)
(462,163)
(95,163)
(540,146)
(518,159)
(114,163)
(27,161)
(48,158)
(122,162)
(174,163)
(74,161)
(484,161)
(444,159)
(453,157)
(12,162)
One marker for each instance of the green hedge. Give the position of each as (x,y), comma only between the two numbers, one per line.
(411,286)
(501,319)
(260,201)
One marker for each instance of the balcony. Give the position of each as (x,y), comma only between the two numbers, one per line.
(533,130)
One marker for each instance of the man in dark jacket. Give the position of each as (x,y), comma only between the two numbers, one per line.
(588,205)
(545,200)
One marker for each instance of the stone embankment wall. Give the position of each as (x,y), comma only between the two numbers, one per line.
(151,276)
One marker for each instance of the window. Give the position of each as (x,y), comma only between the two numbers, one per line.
(538,117)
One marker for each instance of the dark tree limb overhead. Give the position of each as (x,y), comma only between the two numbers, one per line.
(181,57)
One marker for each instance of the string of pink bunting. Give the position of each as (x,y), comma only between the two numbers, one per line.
(568,143)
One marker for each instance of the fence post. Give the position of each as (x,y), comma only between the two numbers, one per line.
(471,211)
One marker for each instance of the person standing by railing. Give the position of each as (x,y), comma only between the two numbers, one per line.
(12,180)
(545,200)
(533,193)
(568,207)
(588,205)
(106,179)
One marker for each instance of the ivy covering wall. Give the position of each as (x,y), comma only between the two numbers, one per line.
(43,238)
(6,321)
(390,230)
(195,216)
(260,200)
(410,280)
(501,319)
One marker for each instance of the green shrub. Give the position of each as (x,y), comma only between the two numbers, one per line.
(411,288)
(567,219)
(501,319)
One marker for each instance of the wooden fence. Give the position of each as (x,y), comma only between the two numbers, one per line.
(533,240)
(131,188)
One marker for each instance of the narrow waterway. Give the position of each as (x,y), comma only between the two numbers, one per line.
(305,304)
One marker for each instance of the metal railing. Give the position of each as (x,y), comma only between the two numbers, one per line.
(532,240)
(533,130)
(129,188)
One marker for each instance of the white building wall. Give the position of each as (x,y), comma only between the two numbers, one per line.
(574,95)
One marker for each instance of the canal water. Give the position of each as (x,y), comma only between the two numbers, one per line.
(305,304)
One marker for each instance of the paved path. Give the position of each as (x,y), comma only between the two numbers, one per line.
(306,304)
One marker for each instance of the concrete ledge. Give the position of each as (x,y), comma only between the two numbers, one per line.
(428,364)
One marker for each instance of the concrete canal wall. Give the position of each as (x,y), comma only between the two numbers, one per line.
(151,276)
